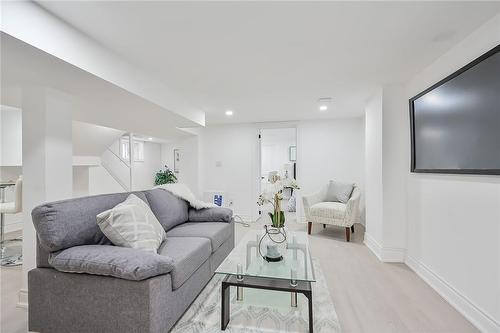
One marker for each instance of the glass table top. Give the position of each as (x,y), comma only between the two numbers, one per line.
(245,259)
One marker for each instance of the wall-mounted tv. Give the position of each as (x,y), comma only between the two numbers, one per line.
(455,124)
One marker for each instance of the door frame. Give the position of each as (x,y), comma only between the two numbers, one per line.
(271,126)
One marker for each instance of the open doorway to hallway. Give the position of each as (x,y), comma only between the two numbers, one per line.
(278,158)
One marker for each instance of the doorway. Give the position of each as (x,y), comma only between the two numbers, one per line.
(278,158)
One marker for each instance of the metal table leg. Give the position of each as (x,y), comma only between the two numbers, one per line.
(226,304)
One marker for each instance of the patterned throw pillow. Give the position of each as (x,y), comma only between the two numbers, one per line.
(132,224)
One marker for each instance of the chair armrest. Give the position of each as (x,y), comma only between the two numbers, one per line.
(214,214)
(352,205)
(120,262)
(309,200)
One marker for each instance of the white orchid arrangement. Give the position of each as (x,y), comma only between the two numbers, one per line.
(274,195)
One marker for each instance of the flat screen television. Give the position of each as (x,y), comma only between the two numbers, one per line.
(455,124)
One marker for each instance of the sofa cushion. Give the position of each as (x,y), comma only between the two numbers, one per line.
(329,210)
(187,254)
(216,232)
(120,262)
(169,209)
(215,214)
(132,224)
(338,191)
(67,223)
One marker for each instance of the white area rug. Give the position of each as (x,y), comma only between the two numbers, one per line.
(260,311)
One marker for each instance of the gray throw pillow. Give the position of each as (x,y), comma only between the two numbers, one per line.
(168,209)
(339,192)
(120,262)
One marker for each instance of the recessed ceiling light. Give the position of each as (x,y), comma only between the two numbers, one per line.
(324,103)
(229,113)
(150,139)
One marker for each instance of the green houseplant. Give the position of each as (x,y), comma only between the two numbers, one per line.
(166,176)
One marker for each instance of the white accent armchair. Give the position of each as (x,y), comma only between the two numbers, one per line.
(317,210)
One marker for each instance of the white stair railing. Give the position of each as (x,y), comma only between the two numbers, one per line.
(117,168)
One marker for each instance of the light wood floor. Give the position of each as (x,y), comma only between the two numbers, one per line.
(369,296)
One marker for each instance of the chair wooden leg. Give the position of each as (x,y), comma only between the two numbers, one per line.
(352,228)
(309,227)
(324,226)
(348,234)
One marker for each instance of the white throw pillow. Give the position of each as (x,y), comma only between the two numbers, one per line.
(132,224)
(339,192)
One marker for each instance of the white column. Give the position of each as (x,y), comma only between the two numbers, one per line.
(47,161)
(387,166)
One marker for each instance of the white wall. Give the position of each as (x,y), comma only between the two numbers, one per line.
(230,163)
(454,220)
(229,158)
(80,181)
(144,172)
(189,162)
(101,182)
(330,149)
(96,179)
(395,166)
(10,136)
(220,158)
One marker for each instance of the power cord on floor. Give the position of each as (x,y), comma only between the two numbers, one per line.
(240,221)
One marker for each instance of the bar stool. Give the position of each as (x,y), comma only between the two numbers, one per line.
(13,207)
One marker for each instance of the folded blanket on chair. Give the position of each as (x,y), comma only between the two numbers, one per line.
(183,192)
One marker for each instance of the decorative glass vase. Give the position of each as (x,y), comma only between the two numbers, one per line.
(273,243)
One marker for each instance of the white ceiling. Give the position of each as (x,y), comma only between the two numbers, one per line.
(271,61)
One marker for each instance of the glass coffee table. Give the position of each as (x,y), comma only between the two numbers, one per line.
(244,267)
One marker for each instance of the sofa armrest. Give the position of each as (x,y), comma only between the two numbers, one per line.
(214,214)
(309,200)
(120,262)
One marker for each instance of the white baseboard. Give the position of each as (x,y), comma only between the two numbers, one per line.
(22,301)
(373,245)
(479,318)
(393,254)
(384,254)
(483,321)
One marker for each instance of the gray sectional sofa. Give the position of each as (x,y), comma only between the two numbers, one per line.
(82,283)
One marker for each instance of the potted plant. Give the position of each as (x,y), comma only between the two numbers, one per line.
(276,231)
(165,177)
